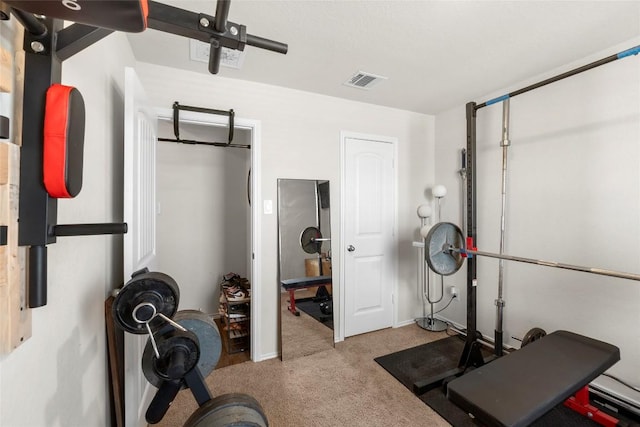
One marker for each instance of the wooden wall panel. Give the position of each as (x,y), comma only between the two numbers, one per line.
(15,317)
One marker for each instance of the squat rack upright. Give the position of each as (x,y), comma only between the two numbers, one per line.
(471,355)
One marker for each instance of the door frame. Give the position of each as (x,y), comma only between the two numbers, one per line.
(256,195)
(342,256)
(138,393)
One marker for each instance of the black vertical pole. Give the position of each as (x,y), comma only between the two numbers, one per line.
(471,355)
(37,211)
(37,274)
(472,228)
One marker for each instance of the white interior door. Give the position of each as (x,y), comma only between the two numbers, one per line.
(368,234)
(140,130)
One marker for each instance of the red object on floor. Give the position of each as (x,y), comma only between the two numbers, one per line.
(580,403)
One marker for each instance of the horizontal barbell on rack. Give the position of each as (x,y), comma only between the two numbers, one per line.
(446,250)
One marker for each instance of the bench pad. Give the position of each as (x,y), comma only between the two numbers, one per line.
(305,282)
(518,388)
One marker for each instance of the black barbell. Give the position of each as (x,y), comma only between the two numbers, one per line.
(445,250)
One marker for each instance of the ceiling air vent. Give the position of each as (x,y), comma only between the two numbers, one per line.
(199,51)
(364,80)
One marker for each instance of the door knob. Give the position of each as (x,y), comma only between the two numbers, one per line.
(351,248)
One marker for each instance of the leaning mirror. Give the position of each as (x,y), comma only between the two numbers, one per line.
(304,254)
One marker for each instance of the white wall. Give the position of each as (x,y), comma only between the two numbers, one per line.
(573,197)
(202,226)
(301,139)
(59,376)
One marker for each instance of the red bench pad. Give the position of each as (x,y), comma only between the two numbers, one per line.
(63,141)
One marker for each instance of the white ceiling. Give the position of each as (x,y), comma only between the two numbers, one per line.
(436,54)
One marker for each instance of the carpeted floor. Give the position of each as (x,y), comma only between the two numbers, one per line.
(339,387)
(301,335)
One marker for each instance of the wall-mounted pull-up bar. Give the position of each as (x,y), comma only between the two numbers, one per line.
(176,126)
(47,44)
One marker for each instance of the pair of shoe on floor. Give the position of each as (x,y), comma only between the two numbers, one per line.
(235,287)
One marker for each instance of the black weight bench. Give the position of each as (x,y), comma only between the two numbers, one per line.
(292,285)
(520,387)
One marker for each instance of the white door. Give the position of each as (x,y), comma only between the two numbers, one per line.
(140,130)
(369,249)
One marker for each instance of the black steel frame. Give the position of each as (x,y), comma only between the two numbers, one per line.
(47,44)
(471,355)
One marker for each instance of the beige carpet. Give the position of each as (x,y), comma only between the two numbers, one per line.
(301,335)
(334,388)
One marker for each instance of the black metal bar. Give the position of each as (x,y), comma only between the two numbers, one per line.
(3,235)
(423,386)
(215,57)
(31,24)
(222,13)
(37,276)
(471,355)
(162,400)
(88,229)
(176,120)
(608,59)
(36,209)
(184,23)
(214,144)
(176,123)
(472,228)
(174,20)
(267,44)
(232,116)
(198,387)
(201,109)
(77,37)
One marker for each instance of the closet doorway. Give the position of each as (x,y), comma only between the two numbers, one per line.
(207,226)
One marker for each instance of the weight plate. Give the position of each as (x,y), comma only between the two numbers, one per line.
(308,242)
(152,290)
(208,336)
(179,353)
(534,334)
(440,239)
(233,409)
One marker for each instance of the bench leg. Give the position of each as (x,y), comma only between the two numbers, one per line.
(292,303)
(580,403)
